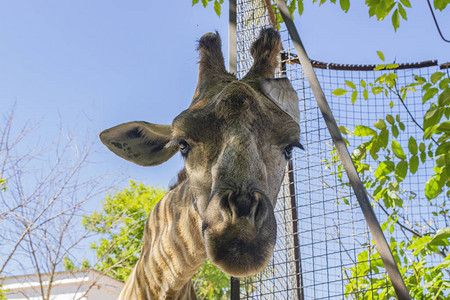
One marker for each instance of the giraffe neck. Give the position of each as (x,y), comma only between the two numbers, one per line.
(173,250)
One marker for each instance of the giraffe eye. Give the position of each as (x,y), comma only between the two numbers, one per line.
(288,152)
(184,147)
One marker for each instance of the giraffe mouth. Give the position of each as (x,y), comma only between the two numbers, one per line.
(239,238)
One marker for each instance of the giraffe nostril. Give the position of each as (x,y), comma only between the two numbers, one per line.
(225,202)
(247,205)
(261,209)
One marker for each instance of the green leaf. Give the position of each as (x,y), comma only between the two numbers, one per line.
(205,3)
(379,67)
(402,11)
(344,130)
(422,147)
(345,5)
(339,92)
(395,130)
(432,187)
(194,2)
(384,138)
(394,197)
(361,130)
(365,94)
(392,66)
(217,8)
(414,164)
(443,138)
(429,94)
(363,83)
(441,4)
(350,84)
(380,55)
(359,152)
(390,119)
(444,98)
(380,124)
(391,229)
(442,149)
(412,146)
(291,7)
(435,77)
(378,192)
(354,96)
(426,86)
(429,119)
(419,244)
(419,79)
(384,225)
(423,157)
(443,127)
(430,122)
(400,170)
(374,149)
(396,20)
(444,83)
(384,168)
(376,90)
(372,11)
(441,238)
(406,3)
(397,149)
(300,7)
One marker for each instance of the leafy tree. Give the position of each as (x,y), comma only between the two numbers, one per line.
(422,251)
(121,223)
(381,9)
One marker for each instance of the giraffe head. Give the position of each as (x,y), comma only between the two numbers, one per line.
(236,138)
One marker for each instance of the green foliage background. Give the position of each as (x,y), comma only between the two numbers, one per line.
(121,223)
(420,249)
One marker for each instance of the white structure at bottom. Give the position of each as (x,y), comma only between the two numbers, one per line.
(70,285)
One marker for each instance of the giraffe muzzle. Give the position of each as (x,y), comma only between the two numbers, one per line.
(239,228)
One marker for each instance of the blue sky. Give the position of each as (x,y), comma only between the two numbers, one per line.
(100,63)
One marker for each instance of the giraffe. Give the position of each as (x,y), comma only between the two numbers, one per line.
(236,138)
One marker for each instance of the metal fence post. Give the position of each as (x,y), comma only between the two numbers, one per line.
(232,44)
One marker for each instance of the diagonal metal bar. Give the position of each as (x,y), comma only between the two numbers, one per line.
(355,181)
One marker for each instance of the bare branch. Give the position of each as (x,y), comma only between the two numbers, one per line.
(47,191)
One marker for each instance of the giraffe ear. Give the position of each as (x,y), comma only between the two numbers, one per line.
(281,92)
(142,143)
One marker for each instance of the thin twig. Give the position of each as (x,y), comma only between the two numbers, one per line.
(397,93)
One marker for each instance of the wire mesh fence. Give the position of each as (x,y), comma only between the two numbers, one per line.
(321,229)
